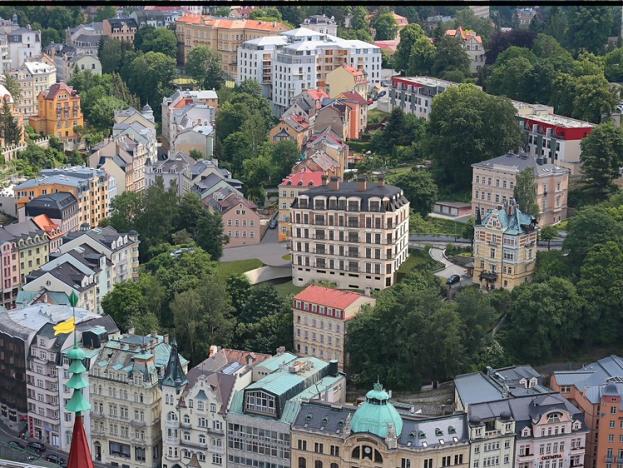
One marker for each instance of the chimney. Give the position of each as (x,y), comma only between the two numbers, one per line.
(362,183)
(281,350)
(213,350)
(334,183)
(381,180)
(325,179)
(333,372)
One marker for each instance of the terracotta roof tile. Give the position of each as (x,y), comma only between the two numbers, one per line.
(304,178)
(327,296)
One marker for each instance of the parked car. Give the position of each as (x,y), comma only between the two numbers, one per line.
(453,279)
(16,445)
(36,446)
(273,223)
(381,94)
(53,458)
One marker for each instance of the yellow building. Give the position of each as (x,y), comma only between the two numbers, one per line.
(320,318)
(59,112)
(376,434)
(344,79)
(33,246)
(223,35)
(293,128)
(505,245)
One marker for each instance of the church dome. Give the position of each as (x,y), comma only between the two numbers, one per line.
(376,415)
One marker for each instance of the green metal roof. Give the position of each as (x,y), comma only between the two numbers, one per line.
(513,224)
(281,381)
(376,414)
(273,363)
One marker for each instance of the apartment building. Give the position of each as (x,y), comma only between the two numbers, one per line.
(59,112)
(68,59)
(289,188)
(549,431)
(33,246)
(10,273)
(491,436)
(556,138)
(494,180)
(156,17)
(61,207)
(52,230)
(126,399)
(596,389)
(377,433)
(33,77)
(414,94)
(472,44)
(123,159)
(140,126)
(293,128)
(260,415)
(122,29)
(23,44)
(320,23)
(255,61)
(196,405)
(198,106)
(304,61)
(85,38)
(344,79)
(329,143)
(222,35)
(504,248)
(353,234)
(320,318)
(240,218)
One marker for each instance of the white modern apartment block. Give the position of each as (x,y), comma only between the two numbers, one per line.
(24,45)
(414,94)
(33,78)
(353,234)
(303,61)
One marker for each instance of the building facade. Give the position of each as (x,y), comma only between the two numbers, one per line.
(60,207)
(493,184)
(198,106)
(472,44)
(33,78)
(122,29)
(33,246)
(59,112)
(353,234)
(10,272)
(289,188)
(320,317)
(23,44)
(241,221)
(414,94)
(344,79)
(505,245)
(320,23)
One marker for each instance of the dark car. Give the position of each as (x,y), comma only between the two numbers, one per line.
(53,458)
(453,279)
(273,223)
(16,445)
(36,446)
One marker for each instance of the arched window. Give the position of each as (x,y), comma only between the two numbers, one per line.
(377,457)
(356,453)
(172,416)
(302,462)
(334,465)
(317,464)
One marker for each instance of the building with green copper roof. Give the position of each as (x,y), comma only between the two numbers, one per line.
(377,415)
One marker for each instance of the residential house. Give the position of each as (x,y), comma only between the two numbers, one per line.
(320,23)
(522,17)
(262,413)
(24,44)
(596,389)
(335,116)
(472,44)
(33,246)
(329,143)
(241,221)
(139,126)
(320,317)
(307,104)
(52,230)
(414,94)
(191,129)
(123,159)
(59,112)
(180,103)
(10,273)
(68,60)
(122,29)
(156,18)
(60,207)
(353,234)
(91,187)
(289,188)
(222,35)
(85,38)
(33,78)
(504,248)
(293,128)
(196,404)
(126,399)
(376,433)
(494,180)
(175,171)
(318,161)
(358,113)
(346,78)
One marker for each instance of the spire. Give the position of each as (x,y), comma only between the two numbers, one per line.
(79,452)
(174,374)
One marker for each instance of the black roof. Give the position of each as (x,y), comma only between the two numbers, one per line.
(118,22)
(51,204)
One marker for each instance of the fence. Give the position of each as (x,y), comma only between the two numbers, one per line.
(10,152)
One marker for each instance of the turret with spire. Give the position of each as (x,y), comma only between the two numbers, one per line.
(174,375)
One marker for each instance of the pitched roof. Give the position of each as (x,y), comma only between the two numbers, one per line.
(352,96)
(233,23)
(234,200)
(304,178)
(516,163)
(44,223)
(514,223)
(328,296)
(57,88)
(464,34)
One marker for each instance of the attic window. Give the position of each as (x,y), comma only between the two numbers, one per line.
(421,435)
(438,432)
(451,430)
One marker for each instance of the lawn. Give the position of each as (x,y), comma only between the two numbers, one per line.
(238,267)
(418,260)
(419,225)
(287,289)
(376,116)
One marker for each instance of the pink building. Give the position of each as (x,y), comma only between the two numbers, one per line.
(10,271)
(241,221)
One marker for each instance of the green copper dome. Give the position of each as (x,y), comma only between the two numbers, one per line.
(376,414)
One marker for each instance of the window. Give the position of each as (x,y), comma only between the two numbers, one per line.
(302,462)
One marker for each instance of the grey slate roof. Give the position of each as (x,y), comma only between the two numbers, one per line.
(518,162)
(594,378)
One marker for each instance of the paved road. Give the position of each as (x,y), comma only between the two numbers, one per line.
(18,455)
(450,268)
(269,251)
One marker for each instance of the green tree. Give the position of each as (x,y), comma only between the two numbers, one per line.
(548,233)
(124,303)
(359,18)
(10,131)
(284,155)
(550,264)
(408,37)
(13,87)
(602,157)
(267,334)
(113,54)
(468,20)
(419,188)
(150,75)
(266,14)
(479,318)
(586,97)
(450,57)
(204,66)
(614,65)
(236,150)
(466,110)
(105,12)
(422,56)
(101,114)
(385,26)
(525,192)
(589,27)
(150,39)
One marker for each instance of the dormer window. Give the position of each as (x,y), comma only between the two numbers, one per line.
(525,432)
(554,417)
(577,425)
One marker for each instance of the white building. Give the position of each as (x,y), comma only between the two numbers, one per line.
(138,126)
(414,94)
(321,23)
(303,61)
(472,44)
(175,107)
(190,128)
(69,59)
(24,45)
(33,78)
(85,38)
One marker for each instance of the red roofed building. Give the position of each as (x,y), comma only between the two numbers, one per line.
(293,127)
(59,112)
(52,230)
(347,78)
(289,189)
(390,45)
(320,318)
(79,453)
(472,43)
(359,113)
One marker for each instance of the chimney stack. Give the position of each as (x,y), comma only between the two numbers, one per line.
(334,183)
(362,183)
(381,180)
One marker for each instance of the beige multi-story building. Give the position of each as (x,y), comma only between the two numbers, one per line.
(126,399)
(222,35)
(353,234)
(33,78)
(505,245)
(289,188)
(320,318)
(493,184)
(377,434)
(122,29)
(472,44)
